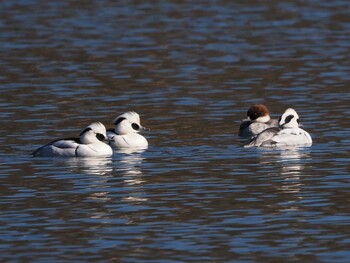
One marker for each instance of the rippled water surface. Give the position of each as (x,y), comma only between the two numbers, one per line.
(191,69)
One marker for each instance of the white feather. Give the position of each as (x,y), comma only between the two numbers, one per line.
(88,145)
(126,132)
(289,133)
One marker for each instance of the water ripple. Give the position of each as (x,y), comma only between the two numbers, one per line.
(191,71)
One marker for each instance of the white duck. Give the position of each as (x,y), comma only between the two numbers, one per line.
(89,144)
(287,134)
(126,132)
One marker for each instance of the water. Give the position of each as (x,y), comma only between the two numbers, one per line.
(191,70)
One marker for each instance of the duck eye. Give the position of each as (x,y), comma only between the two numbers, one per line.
(135,126)
(100,136)
(289,118)
(253,115)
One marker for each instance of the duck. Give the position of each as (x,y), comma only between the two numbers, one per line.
(288,133)
(125,133)
(258,119)
(89,144)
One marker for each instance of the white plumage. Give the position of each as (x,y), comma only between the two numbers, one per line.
(287,134)
(89,144)
(126,132)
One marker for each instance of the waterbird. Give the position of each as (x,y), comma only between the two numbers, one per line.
(125,133)
(258,119)
(89,144)
(288,133)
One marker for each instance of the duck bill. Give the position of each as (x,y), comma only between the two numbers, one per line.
(108,140)
(144,129)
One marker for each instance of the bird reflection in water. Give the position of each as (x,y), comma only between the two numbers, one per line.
(127,163)
(292,168)
(286,169)
(91,165)
(94,183)
(288,165)
(114,184)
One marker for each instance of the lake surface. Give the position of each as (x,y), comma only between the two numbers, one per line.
(191,69)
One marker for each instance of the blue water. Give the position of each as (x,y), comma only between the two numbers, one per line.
(191,70)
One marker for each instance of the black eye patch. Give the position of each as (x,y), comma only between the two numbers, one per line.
(289,118)
(252,115)
(119,120)
(135,126)
(100,136)
(86,130)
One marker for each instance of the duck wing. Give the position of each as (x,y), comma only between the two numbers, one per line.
(291,137)
(68,143)
(264,137)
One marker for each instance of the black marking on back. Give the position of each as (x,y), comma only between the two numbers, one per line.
(77,140)
(76,151)
(119,120)
(125,140)
(37,150)
(135,126)
(86,130)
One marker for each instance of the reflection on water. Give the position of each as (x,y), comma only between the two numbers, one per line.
(293,161)
(126,164)
(191,70)
(129,163)
(292,171)
(88,165)
(130,160)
